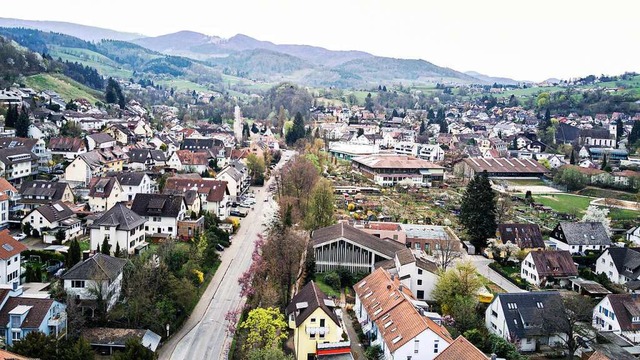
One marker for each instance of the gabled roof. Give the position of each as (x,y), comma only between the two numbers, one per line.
(626,258)
(503,165)
(307,300)
(6,186)
(200,144)
(10,247)
(390,305)
(97,267)
(554,263)
(12,142)
(157,205)
(584,233)
(15,155)
(101,138)
(52,191)
(141,155)
(232,172)
(36,315)
(527,308)
(121,217)
(461,349)
(56,211)
(526,236)
(214,190)
(101,187)
(332,233)
(66,144)
(625,306)
(187,157)
(128,178)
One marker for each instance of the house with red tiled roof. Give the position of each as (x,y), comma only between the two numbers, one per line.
(10,250)
(620,314)
(461,349)
(187,160)
(393,319)
(214,194)
(69,147)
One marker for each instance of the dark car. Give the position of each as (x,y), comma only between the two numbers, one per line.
(219,247)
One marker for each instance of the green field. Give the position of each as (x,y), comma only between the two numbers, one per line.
(526,182)
(328,290)
(103,64)
(67,88)
(577,205)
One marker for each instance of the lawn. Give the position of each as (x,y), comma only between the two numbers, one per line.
(328,290)
(526,182)
(623,214)
(64,86)
(564,203)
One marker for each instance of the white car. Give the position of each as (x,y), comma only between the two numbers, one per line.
(20,236)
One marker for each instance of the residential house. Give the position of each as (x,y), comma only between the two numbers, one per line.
(542,268)
(526,236)
(621,265)
(99,275)
(236,181)
(21,315)
(49,219)
(430,238)
(109,340)
(461,349)
(393,319)
(391,170)
(627,179)
(93,164)
(35,193)
(146,159)
(620,314)
(342,245)
(36,146)
(521,318)
(18,164)
(578,237)
(591,175)
(162,212)
(500,167)
(100,141)
(416,273)
(104,193)
(196,144)
(169,143)
(10,250)
(133,183)
(122,228)
(432,153)
(189,227)
(10,210)
(67,147)
(314,319)
(121,134)
(214,194)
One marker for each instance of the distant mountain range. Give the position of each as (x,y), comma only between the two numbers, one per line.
(87,33)
(493,79)
(249,58)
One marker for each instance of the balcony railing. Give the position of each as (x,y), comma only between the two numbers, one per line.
(317,330)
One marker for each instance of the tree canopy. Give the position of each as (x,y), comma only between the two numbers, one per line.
(478,210)
(267,328)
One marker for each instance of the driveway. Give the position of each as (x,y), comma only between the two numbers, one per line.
(482,264)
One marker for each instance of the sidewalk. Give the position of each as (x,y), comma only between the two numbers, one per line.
(357,351)
(482,264)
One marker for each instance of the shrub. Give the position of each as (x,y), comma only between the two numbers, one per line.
(332,279)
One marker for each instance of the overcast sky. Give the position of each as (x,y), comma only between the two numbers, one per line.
(522,39)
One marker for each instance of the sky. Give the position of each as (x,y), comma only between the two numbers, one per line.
(521,39)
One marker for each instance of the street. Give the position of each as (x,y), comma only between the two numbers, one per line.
(482,264)
(204,335)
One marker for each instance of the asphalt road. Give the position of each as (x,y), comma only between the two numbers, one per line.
(204,335)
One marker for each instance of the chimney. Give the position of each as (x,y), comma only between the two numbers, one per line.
(400,288)
(393,277)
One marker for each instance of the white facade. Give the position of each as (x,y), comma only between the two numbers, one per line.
(128,240)
(420,281)
(560,245)
(605,319)
(174,162)
(605,265)
(4,212)
(433,153)
(78,172)
(633,235)
(87,289)
(129,192)
(528,271)
(219,208)
(10,270)
(165,224)
(97,204)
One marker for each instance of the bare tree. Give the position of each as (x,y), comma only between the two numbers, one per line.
(569,316)
(504,207)
(446,251)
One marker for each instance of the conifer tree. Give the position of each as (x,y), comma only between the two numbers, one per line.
(478,210)
(105,247)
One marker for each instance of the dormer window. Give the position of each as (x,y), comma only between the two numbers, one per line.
(635,319)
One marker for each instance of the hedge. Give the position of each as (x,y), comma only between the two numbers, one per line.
(517,282)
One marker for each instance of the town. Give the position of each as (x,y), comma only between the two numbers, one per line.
(149,217)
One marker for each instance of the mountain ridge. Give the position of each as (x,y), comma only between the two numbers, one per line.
(84,32)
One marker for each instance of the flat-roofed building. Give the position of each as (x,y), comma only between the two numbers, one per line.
(500,167)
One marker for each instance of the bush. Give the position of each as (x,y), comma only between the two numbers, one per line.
(332,279)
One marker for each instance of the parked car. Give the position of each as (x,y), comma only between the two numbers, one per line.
(237,213)
(219,247)
(20,236)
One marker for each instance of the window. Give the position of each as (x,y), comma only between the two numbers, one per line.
(16,335)
(322,322)
(419,271)
(420,294)
(419,282)
(77,283)
(435,346)
(15,321)
(416,346)
(528,340)
(313,320)
(170,229)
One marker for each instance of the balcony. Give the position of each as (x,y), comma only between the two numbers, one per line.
(316,330)
(58,325)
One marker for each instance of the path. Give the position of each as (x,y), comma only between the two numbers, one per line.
(482,264)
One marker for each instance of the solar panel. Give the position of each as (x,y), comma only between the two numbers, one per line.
(7,247)
(58,207)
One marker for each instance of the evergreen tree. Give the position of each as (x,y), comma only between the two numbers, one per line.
(105,248)
(135,350)
(478,210)
(117,253)
(430,115)
(423,127)
(12,116)
(22,124)
(634,136)
(603,166)
(572,160)
(297,131)
(74,255)
(619,131)
(368,103)
(113,93)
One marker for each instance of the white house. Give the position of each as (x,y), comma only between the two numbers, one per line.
(521,317)
(134,183)
(98,275)
(48,219)
(538,267)
(68,147)
(122,228)
(417,274)
(214,194)
(100,141)
(621,265)
(18,164)
(578,237)
(620,314)
(432,153)
(10,250)
(633,235)
(394,320)
(162,212)
(237,183)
